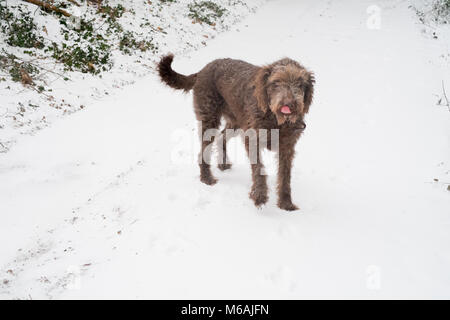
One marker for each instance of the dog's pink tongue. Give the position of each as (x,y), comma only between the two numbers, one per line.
(285,110)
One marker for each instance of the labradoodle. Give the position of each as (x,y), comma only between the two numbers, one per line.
(276,96)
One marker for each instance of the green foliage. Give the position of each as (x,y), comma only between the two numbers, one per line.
(85,50)
(206,11)
(442,10)
(112,15)
(20,30)
(93,58)
(11,64)
(85,46)
(128,42)
(112,12)
(438,13)
(5,14)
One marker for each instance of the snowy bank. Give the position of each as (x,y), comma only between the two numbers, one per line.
(116,43)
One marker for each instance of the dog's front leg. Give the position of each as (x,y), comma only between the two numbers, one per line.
(259,189)
(285,157)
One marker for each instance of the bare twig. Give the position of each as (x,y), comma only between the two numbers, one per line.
(48,6)
(445,96)
(32,86)
(5,149)
(21,62)
(7,20)
(48,70)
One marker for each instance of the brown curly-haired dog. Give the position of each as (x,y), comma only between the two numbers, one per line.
(275,96)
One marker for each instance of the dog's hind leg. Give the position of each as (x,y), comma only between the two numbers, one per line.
(222,158)
(208,114)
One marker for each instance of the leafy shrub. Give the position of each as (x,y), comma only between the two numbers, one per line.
(90,52)
(15,67)
(442,10)
(112,12)
(129,42)
(84,47)
(206,11)
(87,59)
(20,30)
(438,13)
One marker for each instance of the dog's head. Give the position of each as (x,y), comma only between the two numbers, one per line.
(286,89)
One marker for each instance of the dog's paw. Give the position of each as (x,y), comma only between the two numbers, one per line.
(209,180)
(287,205)
(259,198)
(224,166)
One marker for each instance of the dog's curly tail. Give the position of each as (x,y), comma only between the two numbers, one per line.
(172,78)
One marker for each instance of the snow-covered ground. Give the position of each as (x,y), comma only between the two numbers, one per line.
(107,203)
(24,111)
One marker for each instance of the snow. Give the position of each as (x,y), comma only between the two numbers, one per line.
(107,203)
(166,24)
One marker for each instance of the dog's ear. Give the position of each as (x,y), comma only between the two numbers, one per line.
(309,91)
(260,92)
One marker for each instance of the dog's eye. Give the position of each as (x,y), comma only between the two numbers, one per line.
(299,83)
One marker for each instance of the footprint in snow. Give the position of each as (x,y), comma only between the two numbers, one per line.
(282,278)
